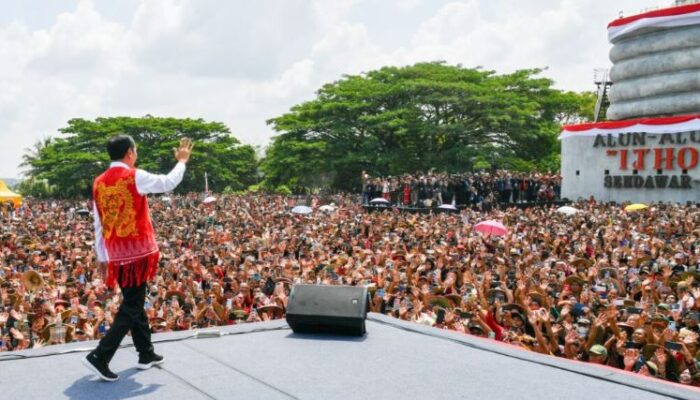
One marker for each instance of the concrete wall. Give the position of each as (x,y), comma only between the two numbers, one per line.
(656,73)
(591,163)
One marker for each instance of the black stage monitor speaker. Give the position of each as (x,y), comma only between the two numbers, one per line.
(339,310)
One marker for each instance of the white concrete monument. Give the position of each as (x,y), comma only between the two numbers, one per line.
(648,151)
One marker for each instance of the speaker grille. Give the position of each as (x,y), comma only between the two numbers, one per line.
(327,309)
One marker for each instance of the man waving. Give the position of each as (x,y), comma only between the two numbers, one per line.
(126,248)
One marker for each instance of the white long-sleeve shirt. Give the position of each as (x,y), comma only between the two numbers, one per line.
(146,183)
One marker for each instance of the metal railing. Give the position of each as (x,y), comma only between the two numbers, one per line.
(601,77)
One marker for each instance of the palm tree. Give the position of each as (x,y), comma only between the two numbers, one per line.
(32,154)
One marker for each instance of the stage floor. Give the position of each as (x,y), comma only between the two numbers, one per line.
(395,360)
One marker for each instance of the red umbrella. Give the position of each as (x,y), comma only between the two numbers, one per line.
(491,227)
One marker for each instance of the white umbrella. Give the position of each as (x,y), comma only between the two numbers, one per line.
(448,207)
(379,200)
(327,207)
(209,199)
(567,210)
(83,211)
(166,198)
(302,210)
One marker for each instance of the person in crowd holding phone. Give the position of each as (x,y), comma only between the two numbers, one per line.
(126,246)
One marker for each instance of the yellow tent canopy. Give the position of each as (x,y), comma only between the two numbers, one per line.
(8,195)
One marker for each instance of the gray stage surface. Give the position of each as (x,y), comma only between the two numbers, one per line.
(395,360)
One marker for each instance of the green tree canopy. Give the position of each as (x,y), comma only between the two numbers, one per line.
(430,115)
(70,162)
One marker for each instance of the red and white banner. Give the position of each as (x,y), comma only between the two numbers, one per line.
(684,123)
(663,18)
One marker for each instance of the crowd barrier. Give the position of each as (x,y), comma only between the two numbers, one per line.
(428,210)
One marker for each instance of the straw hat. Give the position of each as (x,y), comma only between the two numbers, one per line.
(32,280)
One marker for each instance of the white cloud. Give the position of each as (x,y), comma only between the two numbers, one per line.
(561,38)
(243,62)
(408,5)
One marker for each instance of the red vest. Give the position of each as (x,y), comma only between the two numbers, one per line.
(126,227)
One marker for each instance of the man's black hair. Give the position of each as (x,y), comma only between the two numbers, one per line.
(119,145)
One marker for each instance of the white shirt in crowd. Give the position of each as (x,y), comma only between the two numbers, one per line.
(146,183)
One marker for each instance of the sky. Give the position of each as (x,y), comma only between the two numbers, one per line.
(243,62)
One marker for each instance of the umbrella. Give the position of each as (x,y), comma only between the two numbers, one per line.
(636,207)
(447,207)
(302,210)
(209,199)
(491,227)
(566,210)
(327,207)
(83,211)
(379,200)
(166,198)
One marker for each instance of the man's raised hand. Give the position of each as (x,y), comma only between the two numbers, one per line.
(182,154)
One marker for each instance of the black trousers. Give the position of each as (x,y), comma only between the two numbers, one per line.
(131,317)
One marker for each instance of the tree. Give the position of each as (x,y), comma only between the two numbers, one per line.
(70,162)
(31,154)
(295,163)
(37,188)
(430,115)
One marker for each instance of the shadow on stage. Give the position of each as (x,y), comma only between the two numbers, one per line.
(90,388)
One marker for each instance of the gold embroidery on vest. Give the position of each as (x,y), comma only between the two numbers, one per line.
(117,208)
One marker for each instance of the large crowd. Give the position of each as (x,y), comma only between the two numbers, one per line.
(601,286)
(483,189)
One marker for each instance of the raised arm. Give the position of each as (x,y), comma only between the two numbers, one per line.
(147,183)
